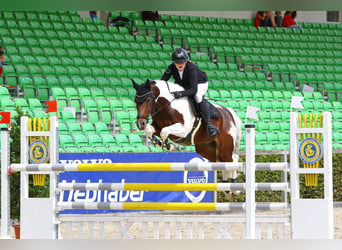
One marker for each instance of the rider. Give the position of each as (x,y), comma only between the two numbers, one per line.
(2,59)
(195,83)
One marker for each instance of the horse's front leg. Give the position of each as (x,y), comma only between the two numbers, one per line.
(149,132)
(176,129)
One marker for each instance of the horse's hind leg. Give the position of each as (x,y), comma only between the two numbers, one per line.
(207,150)
(225,153)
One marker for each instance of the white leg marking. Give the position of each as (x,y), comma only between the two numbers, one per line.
(176,129)
(149,130)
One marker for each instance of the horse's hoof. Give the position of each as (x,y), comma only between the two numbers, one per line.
(237,192)
(172,147)
(229,195)
(169,147)
(157,143)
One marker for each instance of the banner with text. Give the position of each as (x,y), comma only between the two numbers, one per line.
(133,177)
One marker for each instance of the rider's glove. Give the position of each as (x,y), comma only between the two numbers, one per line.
(178,94)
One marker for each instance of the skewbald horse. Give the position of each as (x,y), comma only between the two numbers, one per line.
(174,119)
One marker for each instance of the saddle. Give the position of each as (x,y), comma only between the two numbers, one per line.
(214,113)
(189,139)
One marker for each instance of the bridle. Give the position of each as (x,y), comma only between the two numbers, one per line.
(145,96)
(152,106)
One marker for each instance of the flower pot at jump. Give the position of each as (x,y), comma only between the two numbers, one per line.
(17,231)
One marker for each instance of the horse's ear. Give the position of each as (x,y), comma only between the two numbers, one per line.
(135,85)
(148,83)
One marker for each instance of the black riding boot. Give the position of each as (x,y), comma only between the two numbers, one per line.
(204,110)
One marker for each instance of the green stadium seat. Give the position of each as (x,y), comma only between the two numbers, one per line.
(224,95)
(142,149)
(31,16)
(121,116)
(34,104)
(115,104)
(62,127)
(260,138)
(121,139)
(107,139)
(67,116)
(21,103)
(4,92)
(93,115)
(128,149)
(65,140)
(29,92)
(127,104)
(125,128)
(115,82)
(101,128)
(86,127)
(73,127)
(106,115)
(57,92)
(80,140)
(7,104)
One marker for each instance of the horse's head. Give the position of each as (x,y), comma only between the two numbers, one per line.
(145,101)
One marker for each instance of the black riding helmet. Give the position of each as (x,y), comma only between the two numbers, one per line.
(179,55)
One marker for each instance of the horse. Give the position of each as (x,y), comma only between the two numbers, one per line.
(175,119)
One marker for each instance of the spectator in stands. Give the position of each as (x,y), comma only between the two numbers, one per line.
(150,15)
(269,19)
(289,20)
(195,83)
(259,19)
(2,59)
(278,19)
(93,14)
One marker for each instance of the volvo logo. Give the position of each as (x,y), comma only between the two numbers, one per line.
(195,177)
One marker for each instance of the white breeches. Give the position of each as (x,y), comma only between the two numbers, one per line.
(201,90)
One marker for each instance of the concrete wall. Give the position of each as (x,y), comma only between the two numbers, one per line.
(302,16)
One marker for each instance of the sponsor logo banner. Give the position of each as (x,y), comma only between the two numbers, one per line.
(133,177)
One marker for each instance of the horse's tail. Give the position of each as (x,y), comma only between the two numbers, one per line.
(238,131)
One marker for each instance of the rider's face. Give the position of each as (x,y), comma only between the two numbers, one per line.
(180,66)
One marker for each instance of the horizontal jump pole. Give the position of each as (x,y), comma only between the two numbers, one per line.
(146,166)
(171,186)
(167,206)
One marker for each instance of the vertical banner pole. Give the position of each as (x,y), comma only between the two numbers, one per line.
(250,182)
(5,184)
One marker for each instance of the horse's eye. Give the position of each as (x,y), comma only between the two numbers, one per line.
(149,100)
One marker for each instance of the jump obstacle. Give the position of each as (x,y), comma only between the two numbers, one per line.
(310,218)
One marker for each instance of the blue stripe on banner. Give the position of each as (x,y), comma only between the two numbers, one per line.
(133,177)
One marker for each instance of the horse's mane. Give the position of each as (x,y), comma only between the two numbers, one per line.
(165,87)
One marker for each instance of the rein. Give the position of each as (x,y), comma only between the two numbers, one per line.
(156,112)
(152,114)
(152,104)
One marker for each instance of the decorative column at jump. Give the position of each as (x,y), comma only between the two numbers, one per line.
(311,218)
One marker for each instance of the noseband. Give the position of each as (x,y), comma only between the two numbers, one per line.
(141,99)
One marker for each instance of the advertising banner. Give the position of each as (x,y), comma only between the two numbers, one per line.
(133,177)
